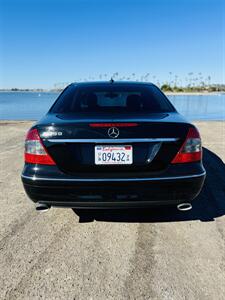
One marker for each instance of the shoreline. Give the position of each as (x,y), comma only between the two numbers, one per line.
(166,93)
(194,93)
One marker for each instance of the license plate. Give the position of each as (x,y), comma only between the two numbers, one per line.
(113,155)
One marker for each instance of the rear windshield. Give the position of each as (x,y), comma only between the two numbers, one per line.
(112,99)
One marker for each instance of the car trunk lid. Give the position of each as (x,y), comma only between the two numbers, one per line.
(71,142)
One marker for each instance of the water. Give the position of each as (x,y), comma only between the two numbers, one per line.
(200,107)
(32,106)
(25,105)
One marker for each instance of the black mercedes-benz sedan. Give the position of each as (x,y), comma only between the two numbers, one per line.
(112,145)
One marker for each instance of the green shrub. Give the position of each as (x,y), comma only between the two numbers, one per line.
(166,88)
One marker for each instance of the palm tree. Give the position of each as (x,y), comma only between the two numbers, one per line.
(170,77)
(146,76)
(209,80)
(199,77)
(115,75)
(175,80)
(190,79)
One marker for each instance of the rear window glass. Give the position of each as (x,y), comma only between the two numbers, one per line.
(112,99)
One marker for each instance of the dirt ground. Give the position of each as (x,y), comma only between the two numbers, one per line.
(142,254)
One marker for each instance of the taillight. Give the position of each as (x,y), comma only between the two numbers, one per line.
(35,152)
(191,150)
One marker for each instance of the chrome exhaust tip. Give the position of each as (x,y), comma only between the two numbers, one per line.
(42,207)
(184,206)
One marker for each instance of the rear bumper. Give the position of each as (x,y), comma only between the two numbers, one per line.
(114,192)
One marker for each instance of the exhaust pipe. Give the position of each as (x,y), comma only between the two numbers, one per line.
(42,207)
(184,206)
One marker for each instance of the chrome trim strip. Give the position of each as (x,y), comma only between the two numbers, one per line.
(113,141)
(34,178)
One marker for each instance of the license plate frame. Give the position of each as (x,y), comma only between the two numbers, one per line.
(119,155)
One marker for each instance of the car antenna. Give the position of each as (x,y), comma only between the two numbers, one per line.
(111,80)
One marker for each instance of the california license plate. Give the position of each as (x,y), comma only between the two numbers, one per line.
(113,155)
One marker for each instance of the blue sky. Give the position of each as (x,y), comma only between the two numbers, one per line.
(46,42)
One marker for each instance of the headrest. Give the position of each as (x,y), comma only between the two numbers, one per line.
(133,102)
(92,100)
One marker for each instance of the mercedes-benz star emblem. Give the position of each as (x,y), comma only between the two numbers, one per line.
(113,132)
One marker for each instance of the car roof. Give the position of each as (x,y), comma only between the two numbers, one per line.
(103,83)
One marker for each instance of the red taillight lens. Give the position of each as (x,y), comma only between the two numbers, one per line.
(35,152)
(191,150)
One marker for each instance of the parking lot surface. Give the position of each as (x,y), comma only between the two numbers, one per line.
(124,254)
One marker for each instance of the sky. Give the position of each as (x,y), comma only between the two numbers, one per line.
(47,42)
